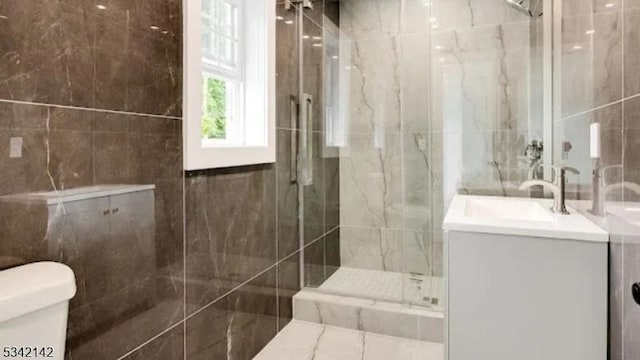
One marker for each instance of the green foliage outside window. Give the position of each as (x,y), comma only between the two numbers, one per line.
(214,114)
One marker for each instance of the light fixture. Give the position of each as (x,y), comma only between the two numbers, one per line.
(438,47)
(289,22)
(577,47)
(101,7)
(590,32)
(279,18)
(154,27)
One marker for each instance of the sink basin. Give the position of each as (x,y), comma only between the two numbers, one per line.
(512,209)
(518,216)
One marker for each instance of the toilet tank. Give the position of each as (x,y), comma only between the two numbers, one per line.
(34,303)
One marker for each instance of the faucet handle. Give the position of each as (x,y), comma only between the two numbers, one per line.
(558,171)
(561,171)
(570,169)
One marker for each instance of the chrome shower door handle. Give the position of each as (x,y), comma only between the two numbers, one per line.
(293,139)
(305,155)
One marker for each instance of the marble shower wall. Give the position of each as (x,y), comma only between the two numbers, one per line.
(205,262)
(385,167)
(444,97)
(487,94)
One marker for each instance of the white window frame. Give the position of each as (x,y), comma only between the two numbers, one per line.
(257,86)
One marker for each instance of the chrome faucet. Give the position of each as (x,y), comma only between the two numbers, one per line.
(558,187)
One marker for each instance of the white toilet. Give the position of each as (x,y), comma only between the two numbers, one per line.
(34,303)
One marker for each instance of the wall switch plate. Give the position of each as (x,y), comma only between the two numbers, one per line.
(15,147)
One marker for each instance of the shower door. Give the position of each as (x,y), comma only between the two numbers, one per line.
(365,186)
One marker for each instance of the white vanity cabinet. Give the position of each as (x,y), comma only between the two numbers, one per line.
(524,290)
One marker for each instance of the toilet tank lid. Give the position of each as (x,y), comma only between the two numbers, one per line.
(35,286)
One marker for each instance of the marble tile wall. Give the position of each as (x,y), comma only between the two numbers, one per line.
(484,67)
(386,174)
(242,246)
(206,266)
(443,100)
(94,94)
(600,83)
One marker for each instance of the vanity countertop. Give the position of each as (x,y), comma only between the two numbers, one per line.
(519,216)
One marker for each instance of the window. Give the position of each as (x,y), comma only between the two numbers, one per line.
(229,75)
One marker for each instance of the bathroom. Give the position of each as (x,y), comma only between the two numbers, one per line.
(319,179)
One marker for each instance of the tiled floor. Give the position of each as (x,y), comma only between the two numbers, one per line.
(302,340)
(384,285)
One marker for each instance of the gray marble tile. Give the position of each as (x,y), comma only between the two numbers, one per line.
(332,193)
(414,59)
(375,85)
(287,63)
(288,232)
(138,68)
(631,38)
(301,340)
(332,252)
(288,285)
(237,326)
(455,14)
(380,317)
(361,19)
(314,263)
(110,160)
(47,52)
(591,62)
(168,346)
(420,252)
(480,78)
(230,229)
(371,248)
(125,295)
(313,68)
(419,173)
(415,17)
(371,181)
(314,195)
(485,163)
(577,7)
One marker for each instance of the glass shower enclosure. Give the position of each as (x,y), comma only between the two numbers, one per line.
(403,104)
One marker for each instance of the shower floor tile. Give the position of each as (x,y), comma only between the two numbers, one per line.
(384,285)
(302,340)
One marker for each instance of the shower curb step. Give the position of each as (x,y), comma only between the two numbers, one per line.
(368,315)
